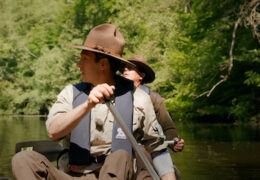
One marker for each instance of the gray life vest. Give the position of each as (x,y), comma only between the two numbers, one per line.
(145,89)
(79,153)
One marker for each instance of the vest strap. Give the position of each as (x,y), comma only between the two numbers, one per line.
(79,153)
(145,89)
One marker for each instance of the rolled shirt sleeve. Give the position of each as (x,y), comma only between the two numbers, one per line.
(62,105)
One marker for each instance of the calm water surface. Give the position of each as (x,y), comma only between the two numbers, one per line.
(219,151)
(17,129)
(216,151)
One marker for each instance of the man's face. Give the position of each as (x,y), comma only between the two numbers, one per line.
(88,67)
(133,74)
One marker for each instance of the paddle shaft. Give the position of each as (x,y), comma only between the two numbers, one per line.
(132,140)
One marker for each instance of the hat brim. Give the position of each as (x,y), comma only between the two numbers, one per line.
(149,73)
(101,52)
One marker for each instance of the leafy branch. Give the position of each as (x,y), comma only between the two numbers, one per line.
(249,15)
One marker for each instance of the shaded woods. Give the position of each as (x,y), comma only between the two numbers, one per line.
(205,53)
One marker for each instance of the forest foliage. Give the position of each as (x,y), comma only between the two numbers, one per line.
(205,53)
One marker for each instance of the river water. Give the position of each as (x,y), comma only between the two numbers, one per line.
(212,151)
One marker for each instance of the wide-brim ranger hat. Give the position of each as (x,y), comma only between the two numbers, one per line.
(142,66)
(107,40)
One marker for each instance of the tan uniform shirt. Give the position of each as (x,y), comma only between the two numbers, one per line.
(146,128)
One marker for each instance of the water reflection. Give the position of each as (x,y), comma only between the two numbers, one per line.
(216,151)
(17,129)
(219,152)
(218,132)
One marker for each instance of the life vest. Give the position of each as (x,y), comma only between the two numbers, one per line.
(145,89)
(79,153)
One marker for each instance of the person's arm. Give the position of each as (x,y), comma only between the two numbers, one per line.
(166,122)
(163,116)
(64,123)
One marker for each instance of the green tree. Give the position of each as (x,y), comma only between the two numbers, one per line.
(205,53)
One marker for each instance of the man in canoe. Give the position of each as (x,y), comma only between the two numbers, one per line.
(142,73)
(98,148)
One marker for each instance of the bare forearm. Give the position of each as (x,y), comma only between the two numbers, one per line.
(64,124)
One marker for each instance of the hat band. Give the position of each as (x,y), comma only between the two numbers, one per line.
(103,49)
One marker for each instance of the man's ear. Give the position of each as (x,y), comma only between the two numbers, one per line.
(142,75)
(103,63)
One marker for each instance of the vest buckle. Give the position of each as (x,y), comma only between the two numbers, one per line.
(98,159)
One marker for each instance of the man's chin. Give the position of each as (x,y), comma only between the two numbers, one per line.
(128,77)
(83,79)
